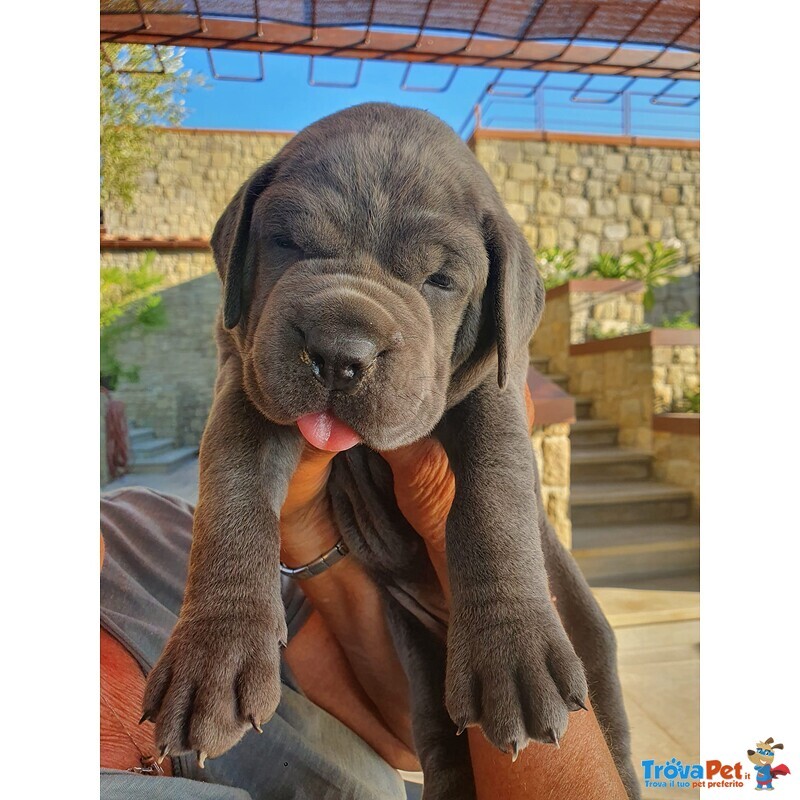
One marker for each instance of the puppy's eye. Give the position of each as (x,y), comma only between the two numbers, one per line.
(285,242)
(440,280)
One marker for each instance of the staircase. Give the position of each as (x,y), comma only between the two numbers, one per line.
(149,454)
(628,529)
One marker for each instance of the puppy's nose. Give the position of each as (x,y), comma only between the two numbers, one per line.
(339,362)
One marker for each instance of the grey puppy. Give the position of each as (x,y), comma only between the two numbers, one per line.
(372,274)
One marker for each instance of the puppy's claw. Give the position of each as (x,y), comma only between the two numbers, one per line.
(574,703)
(163,755)
(145,717)
(256,726)
(461,728)
(201,759)
(514,752)
(283,643)
(554,738)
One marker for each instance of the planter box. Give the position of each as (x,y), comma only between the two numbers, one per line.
(554,412)
(573,311)
(632,378)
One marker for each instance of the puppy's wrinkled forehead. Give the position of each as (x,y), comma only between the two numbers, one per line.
(378,193)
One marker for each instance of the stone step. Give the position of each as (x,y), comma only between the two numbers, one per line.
(137,434)
(593,433)
(621,502)
(588,537)
(151,447)
(609,463)
(583,407)
(539,362)
(617,554)
(164,462)
(560,380)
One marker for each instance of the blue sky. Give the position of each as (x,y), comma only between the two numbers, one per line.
(284,100)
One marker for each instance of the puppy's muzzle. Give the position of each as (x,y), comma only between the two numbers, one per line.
(342,335)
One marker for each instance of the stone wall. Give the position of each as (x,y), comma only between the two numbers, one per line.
(605,314)
(596,196)
(676,451)
(551,339)
(579,309)
(177,363)
(197,174)
(551,449)
(620,384)
(676,371)
(632,378)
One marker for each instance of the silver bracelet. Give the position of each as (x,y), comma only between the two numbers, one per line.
(318,565)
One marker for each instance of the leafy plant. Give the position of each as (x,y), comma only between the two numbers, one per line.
(127,302)
(682,321)
(691,402)
(653,266)
(556,265)
(137,89)
(607,265)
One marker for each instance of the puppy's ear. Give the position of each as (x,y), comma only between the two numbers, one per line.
(515,288)
(229,245)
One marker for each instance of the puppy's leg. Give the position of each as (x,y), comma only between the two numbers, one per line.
(444,755)
(510,667)
(219,672)
(595,644)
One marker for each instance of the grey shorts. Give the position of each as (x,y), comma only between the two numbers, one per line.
(304,752)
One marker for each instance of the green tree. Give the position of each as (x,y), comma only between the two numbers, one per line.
(127,303)
(137,88)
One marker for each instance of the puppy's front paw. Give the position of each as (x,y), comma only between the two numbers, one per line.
(514,673)
(217,677)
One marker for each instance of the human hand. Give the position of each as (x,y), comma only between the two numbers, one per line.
(345,651)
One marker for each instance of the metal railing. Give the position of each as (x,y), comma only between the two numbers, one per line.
(662,111)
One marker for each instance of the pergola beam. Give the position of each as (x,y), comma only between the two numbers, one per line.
(271,37)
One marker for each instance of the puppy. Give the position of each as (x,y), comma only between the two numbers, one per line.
(377,291)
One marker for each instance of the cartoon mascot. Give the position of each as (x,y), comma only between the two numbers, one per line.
(762,757)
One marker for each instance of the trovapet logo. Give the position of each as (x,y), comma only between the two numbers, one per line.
(716,774)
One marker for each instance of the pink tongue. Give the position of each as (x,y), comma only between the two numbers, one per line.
(325,432)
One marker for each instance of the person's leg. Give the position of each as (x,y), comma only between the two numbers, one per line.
(303,752)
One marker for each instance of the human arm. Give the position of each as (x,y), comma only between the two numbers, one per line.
(424,488)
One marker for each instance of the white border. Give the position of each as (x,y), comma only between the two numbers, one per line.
(750,220)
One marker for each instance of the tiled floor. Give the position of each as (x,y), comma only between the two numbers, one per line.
(658,633)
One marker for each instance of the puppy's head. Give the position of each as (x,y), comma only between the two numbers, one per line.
(371,272)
